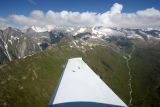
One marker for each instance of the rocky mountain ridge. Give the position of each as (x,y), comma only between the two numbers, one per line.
(15,43)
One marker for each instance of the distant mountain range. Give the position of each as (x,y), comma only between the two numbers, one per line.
(16,43)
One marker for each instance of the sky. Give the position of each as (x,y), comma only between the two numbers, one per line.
(50,13)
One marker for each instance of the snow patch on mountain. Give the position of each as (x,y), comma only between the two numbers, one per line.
(38,29)
(102,31)
(80,30)
(42,29)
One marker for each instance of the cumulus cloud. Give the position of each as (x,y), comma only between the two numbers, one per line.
(116,8)
(112,18)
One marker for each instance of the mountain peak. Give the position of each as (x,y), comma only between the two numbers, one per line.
(38,29)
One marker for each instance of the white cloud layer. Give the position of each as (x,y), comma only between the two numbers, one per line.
(4,23)
(112,18)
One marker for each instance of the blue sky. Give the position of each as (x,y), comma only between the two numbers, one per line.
(47,14)
(24,7)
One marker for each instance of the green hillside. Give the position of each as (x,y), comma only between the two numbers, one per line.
(30,82)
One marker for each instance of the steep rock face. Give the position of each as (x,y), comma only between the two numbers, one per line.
(57,35)
(15,44)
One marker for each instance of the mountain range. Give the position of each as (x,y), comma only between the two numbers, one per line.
(33,59)
(16,43)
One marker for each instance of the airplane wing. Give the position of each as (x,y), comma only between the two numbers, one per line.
(79,86)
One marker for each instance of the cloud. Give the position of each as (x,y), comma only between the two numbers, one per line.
(4,23)
(116,8)
(32,2)
(112,18)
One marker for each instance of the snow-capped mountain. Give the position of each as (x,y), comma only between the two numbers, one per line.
(42,29)
(38,29)
(105,32)
(15,43)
